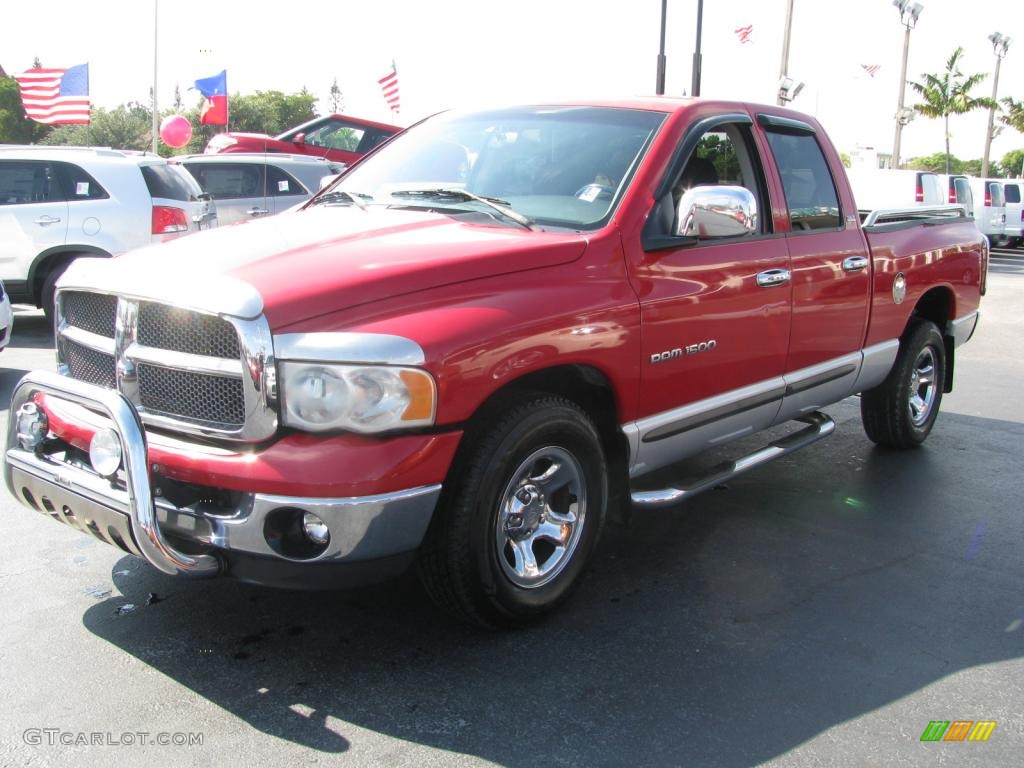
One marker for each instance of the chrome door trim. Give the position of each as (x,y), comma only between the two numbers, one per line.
(855,263)
(772,277)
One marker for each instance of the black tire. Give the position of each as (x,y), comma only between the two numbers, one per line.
(460,560)
(46,295)
(901,411)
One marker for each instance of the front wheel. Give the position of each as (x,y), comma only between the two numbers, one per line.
(522,512)
(901,411)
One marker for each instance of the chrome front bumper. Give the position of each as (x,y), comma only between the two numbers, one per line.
(362,528)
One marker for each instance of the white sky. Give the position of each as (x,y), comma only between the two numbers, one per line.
(464,53)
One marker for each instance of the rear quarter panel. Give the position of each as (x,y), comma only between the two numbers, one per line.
(948,256)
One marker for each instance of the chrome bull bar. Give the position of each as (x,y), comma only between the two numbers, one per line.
(142,512)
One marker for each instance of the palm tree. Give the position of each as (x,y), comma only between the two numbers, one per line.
(1014,116)
(949,93)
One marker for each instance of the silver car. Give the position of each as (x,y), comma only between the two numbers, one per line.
(247,185)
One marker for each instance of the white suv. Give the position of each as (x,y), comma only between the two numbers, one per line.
(58,203)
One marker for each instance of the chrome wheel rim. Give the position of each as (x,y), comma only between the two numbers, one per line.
(540,517)
(922,387)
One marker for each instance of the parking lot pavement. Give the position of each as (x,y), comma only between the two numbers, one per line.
(820,611)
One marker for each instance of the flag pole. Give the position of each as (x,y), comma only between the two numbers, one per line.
(156,8)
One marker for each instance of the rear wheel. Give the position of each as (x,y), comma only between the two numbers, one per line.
(47,294)
(520,516)
(901,411)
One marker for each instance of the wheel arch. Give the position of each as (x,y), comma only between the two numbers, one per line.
(938,305)
(590,389)
(44,263)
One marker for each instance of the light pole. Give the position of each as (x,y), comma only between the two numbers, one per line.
(783,69)
(909,13)
(1000,44)
(659,86)
(695,85)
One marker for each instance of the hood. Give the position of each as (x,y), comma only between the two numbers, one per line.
(321,260)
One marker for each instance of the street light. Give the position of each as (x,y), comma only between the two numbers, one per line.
(909,13)
(789,89)
(1000,44)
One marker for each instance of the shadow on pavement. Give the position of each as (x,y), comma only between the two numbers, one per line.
(727,632)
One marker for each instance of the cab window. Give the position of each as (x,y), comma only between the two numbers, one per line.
(806,181)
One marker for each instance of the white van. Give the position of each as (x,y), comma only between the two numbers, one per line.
(958,187)
(875,188)
(989,207)
(1012,189)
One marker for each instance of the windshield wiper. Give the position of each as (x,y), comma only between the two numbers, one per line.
(501,206)
(340,194)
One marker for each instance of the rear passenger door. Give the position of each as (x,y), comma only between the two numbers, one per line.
(831,269)
(238,189)
(33,216)
(283,189)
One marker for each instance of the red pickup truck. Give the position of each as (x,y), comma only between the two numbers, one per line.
(470,349)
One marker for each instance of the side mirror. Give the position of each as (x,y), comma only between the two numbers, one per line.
(710,212)
(300,138)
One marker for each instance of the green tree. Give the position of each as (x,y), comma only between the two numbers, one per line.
(845,158)
(270,112)
(1013,163)
(129,126)
(949,93)
(178,103)
(1014,114)
(937,163)
(15,127)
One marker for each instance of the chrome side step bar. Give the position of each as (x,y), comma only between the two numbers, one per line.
(819,425)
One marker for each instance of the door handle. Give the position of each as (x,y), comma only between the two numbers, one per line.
(855,263)
(772,277)
(257,211)
(44,221)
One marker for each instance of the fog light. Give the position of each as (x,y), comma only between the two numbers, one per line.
(32,426)
(315,529)
(105,452)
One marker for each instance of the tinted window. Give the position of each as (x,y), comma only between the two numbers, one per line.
(28,181)
(995,190)
(77,184)
(722,157)
(227,181)
(964,194)
(281,184)
(806,181)
(1012,193)
(163,182)
(336,135)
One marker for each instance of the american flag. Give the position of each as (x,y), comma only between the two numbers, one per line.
(56,96)
(743,33)
(389,87)
(871,69)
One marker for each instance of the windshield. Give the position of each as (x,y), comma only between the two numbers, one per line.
(557,166)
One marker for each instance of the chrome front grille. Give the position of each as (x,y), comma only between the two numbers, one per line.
(192,396)
(93,312)
(87,364)
(165,327)
(183,370)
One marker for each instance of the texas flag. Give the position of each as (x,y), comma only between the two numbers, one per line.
(215,91)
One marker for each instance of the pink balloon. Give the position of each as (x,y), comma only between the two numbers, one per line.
(176,131)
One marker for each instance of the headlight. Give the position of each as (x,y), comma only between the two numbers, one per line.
(319,397)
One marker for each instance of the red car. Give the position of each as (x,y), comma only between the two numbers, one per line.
(336,137)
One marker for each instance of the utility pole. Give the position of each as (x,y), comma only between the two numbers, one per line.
(659,86)
(695,89)
(909,13)
(1000,44)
